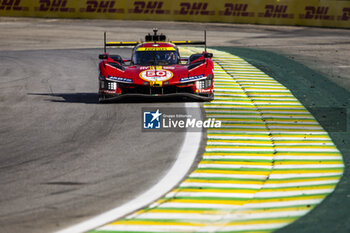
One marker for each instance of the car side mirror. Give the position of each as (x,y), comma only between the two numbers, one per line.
(103,56)
(208,55)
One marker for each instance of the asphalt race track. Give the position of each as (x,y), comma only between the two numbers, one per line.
(61,149)
(64,158)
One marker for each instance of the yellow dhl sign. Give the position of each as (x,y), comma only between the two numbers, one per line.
(328,13)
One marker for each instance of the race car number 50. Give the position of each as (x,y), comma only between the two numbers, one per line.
(156,75)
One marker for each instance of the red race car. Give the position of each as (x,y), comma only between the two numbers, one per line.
(154,70)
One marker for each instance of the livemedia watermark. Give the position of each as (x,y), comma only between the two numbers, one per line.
(176,120)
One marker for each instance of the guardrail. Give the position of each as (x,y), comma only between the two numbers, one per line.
(321,13)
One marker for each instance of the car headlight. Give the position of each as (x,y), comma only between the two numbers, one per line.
(200,84)
(112,86)
(206,83)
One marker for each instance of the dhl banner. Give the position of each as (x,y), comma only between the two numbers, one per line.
(323,13)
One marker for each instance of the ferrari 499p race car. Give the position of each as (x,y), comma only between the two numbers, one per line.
(155,69)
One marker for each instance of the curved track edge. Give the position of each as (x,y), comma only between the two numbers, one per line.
(312,89)
(269,164)
(177,172)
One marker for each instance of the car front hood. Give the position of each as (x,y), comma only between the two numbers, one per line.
(141,75)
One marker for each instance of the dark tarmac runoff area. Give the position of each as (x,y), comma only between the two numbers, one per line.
(64,158)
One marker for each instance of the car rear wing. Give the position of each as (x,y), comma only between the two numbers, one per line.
(188,42)
(116,44)
(153,38)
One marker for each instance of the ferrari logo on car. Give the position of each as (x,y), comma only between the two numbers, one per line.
(156,75)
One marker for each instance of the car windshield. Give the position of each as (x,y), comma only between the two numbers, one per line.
(155,58)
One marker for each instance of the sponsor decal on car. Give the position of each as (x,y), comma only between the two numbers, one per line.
(203,90)
(156,75)
(168,67)
(120,79)
(108,91)
(192,78)
(156,49)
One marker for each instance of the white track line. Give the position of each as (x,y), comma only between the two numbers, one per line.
(186,157)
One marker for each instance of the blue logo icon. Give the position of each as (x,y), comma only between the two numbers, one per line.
(151,120)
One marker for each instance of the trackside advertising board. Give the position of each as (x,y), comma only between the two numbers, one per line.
(322,13)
